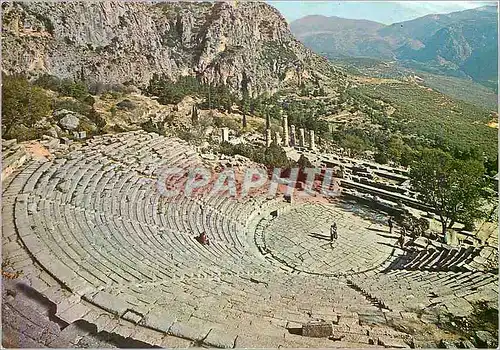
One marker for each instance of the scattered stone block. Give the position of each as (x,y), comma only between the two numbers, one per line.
(126,104)
(317,329)
(110,303)
(465,344)
(149,336)
(171,342)
(447,344)
(372,319)
(185,331)
(423,344)
(421,242)
(387,342)
(485,339)
(73,313)
(124,328)
(66,141)
(133,316)
(409,316)
(219,338)
(158,319)
(349,320)
(70,121)
(8,143)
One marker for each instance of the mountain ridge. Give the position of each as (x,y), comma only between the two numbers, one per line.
(468,37)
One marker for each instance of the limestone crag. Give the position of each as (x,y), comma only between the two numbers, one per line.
(247,46)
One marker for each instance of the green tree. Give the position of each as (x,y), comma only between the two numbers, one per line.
(275,112)
(257,106)
(381,158)
(275,156)
(454,188)
(304,162)
(22,103)
(407,155)
(355,143)
(245,104)
(76,89)
(395,148)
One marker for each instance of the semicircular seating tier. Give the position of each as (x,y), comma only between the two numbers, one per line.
(96,221)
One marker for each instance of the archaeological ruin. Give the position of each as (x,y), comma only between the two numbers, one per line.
(93,235)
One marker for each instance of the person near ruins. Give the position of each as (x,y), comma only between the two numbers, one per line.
(203,239)
(402,241)
(389,222)
(333,232)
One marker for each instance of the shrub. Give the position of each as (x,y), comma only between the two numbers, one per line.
(66,87)
(355,143)
(381,158)
(170,92)
(226,122)
(272,156)
(304,162)
(22,104)
(126,104)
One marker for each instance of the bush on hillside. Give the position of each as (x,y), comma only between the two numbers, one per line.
(22,105)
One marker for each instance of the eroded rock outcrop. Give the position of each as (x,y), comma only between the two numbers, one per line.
(247,46)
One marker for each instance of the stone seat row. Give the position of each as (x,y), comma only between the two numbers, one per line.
(139,146)
(437,259)
(272,298)
(105,211)
(95,231)
(401,289)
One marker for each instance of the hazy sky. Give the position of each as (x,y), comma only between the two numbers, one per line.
(380,11)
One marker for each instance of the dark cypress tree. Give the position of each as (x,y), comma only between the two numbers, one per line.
(244,119)
(194,115)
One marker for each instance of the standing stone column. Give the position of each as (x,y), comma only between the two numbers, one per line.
(341,172)
(225,135)
(302,137)
(293,135)
(312,143)
(277,138)
(286,139)
(268,137)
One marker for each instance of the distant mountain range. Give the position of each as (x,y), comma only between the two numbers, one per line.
(462,44)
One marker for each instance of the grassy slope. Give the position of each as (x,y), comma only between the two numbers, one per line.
(462,89)
(436,116)
(457,88)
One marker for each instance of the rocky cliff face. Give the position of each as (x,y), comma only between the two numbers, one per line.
(245,46)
